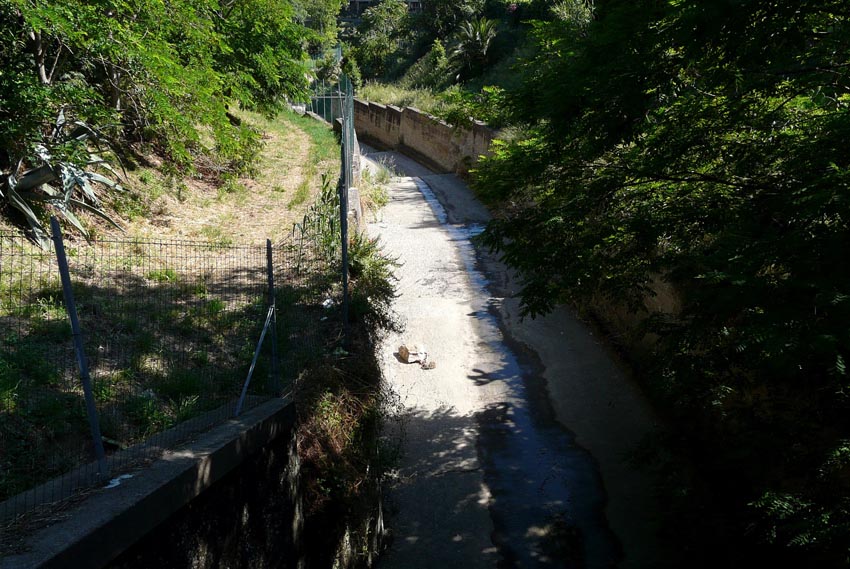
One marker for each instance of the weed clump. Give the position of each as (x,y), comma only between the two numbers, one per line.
(342,407)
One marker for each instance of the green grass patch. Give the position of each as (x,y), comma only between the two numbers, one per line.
(302,194)
(163,275)
(425,100)
(217,235)
(324,147)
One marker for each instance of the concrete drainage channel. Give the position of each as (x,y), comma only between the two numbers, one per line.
(521,435)
(230,498)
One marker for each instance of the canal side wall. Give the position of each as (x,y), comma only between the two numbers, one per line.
(421,136)
(231,498)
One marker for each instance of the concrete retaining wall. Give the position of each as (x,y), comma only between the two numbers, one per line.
(421,136)
(110,520)
(232,498)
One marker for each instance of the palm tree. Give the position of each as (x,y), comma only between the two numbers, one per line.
(472,44)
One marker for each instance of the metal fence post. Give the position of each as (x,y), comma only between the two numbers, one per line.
(247,383)
(343,218)
(346,111)
(273,305)
(88,393)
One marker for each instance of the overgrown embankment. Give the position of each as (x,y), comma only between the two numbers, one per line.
(701,147)
(85,86)
(289,196)
(155,98)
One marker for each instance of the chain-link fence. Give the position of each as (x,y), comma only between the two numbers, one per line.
(169,331)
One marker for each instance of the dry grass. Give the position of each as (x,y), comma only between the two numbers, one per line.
(244,210)
(392,94)
(296,152)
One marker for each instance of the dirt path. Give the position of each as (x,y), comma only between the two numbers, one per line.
(246,210)
(516,444)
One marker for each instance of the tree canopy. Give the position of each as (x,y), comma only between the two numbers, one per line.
(164,73)
(381,36)
(704,143)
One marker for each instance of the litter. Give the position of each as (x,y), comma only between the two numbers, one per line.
(115,482)
(328,303)
(416,353)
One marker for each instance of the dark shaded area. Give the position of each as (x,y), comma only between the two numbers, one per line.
(251,518)
(700,147)
(548,500)
(341,411)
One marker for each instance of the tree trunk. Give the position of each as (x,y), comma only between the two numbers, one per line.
(114,81)
(38,48)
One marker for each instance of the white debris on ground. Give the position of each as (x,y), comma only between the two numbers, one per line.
(115,482)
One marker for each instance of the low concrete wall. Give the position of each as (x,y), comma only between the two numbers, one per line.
(421,136)
(252,517)
(233,498)
(107,523)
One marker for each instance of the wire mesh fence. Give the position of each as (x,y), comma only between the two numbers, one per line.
(333,101)
(169,332)
(328,99)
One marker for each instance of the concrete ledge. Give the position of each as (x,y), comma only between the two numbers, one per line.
(108,522)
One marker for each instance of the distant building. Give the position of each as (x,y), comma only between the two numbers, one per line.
(356,7)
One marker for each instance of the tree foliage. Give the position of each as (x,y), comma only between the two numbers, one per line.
(443,17)
(472,44)
(320,16)
(705,142)
(145,70)
(381,35)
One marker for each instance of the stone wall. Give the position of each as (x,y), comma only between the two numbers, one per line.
(421,136)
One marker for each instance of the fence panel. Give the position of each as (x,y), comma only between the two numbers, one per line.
(169,332)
